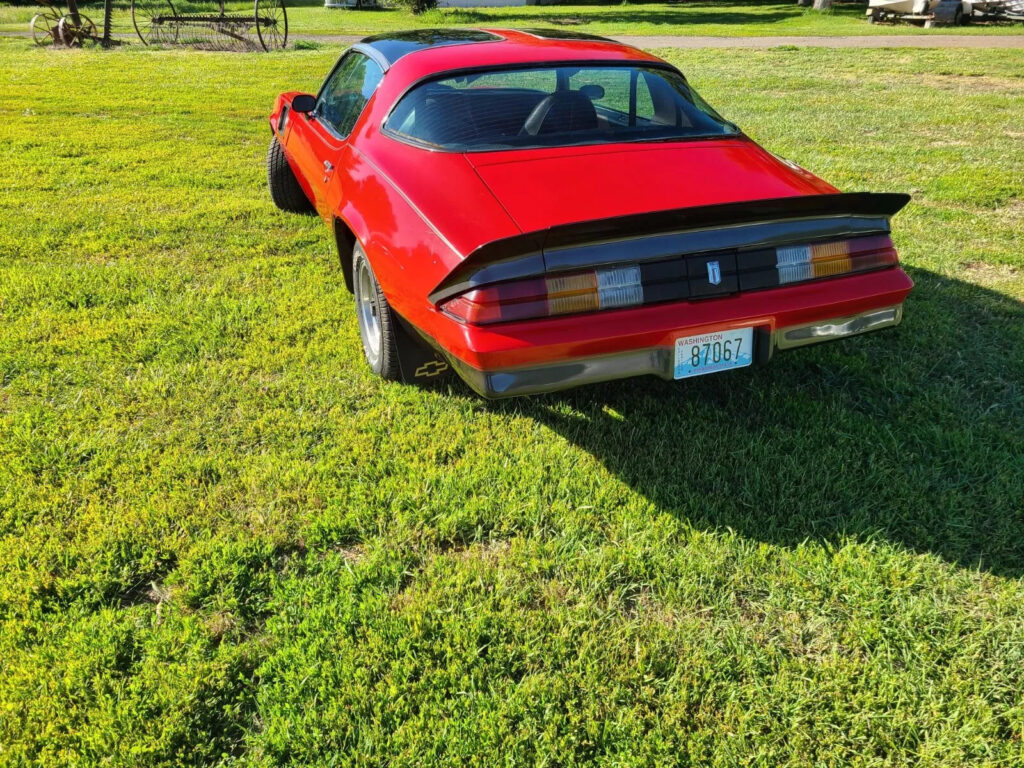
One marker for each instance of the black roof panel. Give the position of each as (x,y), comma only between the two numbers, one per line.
(563,34)
(394,45)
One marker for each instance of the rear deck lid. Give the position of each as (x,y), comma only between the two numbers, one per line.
(545,188)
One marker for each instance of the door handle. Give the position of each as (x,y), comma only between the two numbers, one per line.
(328,169)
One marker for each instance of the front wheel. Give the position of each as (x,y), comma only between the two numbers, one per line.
(377,323)
(285,190)
(44,28)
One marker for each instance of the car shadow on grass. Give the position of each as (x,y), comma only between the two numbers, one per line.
(913,435)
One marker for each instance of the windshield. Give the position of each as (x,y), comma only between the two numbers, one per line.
(553,107)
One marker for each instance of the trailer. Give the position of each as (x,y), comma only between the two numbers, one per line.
(938,13)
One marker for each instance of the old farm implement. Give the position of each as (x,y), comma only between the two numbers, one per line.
(56,26)
(160,22)
(163,22)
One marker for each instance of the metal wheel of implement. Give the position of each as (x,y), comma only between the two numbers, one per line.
(155,21)
(44,28)
(73,34)
(271,24)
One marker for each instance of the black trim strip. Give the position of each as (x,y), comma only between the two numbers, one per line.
(663,234)
(757,235)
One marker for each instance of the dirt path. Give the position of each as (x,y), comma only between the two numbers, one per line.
(676,41)
(846,41)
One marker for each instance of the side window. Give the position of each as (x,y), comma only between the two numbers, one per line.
(610,88)
(346,92)
(644,101)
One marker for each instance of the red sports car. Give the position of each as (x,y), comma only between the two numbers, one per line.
(541,209)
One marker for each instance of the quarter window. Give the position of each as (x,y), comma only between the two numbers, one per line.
(346,92)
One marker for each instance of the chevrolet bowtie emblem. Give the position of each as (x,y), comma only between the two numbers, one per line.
(431,368)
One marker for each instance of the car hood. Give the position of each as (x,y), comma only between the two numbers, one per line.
(545,188)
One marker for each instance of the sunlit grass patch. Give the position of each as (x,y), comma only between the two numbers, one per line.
(222,541)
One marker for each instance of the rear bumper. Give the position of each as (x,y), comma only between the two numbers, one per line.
(658,360)
(570,352)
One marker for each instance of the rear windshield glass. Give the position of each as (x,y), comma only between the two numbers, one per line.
(554,106)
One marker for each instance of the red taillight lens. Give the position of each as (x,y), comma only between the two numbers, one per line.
(501,302)
(563,294)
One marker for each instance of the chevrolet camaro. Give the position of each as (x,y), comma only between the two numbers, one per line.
(538,210)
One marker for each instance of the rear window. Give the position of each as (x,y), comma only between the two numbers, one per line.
(554,106)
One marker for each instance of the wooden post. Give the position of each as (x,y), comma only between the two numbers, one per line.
(107,12)
(73,13)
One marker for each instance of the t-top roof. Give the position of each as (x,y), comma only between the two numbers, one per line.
(394,45)
(563,34)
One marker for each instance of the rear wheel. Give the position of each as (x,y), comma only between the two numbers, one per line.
(155,21)
(378,326)
(73,33)
(285,190)
(271,24)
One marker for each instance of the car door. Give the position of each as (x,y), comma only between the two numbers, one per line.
(317,142)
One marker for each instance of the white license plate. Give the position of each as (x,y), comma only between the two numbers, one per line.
(713,352)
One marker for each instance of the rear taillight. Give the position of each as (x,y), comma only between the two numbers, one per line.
(633,285)
(562,294)
(797,263)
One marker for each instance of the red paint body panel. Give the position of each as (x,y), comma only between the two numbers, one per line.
(545,188)
(418,213)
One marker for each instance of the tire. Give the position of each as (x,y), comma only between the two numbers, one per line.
(284,187)
(378,325)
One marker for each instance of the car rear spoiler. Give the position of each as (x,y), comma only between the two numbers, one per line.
(664,234)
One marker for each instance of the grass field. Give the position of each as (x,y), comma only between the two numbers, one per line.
(726,18)
(223,542)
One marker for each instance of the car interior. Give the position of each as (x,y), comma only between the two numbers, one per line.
(461,114)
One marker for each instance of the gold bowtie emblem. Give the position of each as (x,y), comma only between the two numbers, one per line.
(431,368)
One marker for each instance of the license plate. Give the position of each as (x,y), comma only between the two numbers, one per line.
(713,352)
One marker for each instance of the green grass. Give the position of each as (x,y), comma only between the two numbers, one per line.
(725,18)
(223,541)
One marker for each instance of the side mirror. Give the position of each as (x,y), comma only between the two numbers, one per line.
(303,104)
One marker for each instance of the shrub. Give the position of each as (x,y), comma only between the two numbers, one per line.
(416,6)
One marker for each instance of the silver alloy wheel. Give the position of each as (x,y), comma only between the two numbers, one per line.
(368,312)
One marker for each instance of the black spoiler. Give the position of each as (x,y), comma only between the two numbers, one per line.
(661,234)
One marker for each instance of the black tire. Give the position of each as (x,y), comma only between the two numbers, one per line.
(284,187)
(378,325)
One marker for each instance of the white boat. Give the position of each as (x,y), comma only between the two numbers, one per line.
(925,9)
(902,7)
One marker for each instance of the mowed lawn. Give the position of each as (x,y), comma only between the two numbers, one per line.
(223,542)
(722,18)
